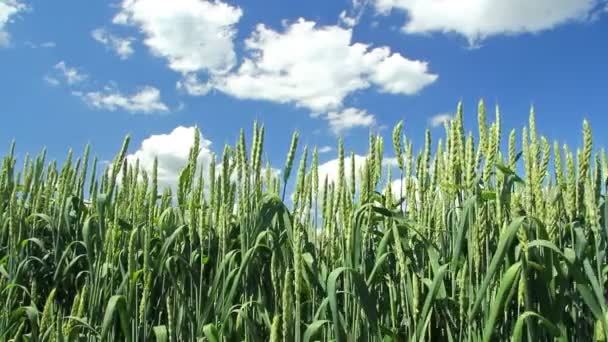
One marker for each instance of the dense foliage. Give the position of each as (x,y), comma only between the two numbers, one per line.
(473,244)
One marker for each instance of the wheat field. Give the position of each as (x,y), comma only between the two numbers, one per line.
(460,240)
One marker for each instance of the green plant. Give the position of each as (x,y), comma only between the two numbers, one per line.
(474,244)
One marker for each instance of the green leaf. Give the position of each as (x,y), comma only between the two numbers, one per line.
(116,303)
(430,297)
(517,334)
(161,333)
(332,293)
(210,331)
(313,330)
(503,243)
(506,283)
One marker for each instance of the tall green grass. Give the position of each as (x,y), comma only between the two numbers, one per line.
(464,248)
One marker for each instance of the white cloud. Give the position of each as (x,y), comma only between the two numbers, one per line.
(347,20)
(325,149)
(121,46)
(71,75)
(478,19)
(172,151)
(314,67)
(348,118)
(439,119)
(330,170)
(193,35)
(396,190)
(318,67)
(390,162)
(397,75)
(191,85)
(146,100)
(352,17)
(8,8)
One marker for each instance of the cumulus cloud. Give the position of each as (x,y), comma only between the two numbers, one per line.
(318,67)
(352,17)
(193,86)
(397,195)
(146,100)
(330,170)
(193,35)
(121,46)
(439,119)
(346,20)
(390,162)
(478,19)
(304,64)
(8,9)
(310,66)
(172,151)
(69,75)
(396,190)
(343,120)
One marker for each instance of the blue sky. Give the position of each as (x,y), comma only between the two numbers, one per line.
(77,72)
